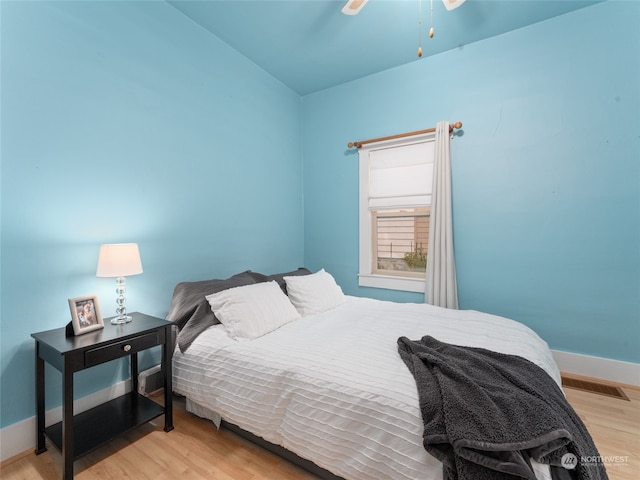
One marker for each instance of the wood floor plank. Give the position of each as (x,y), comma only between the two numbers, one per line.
(195,450)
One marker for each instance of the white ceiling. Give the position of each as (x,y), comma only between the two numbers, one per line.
(310,45)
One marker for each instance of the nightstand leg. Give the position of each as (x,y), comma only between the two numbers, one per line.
(40,445)
(67,423)
(167,351)
(134,374)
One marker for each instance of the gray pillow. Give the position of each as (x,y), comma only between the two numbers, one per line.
(191,312)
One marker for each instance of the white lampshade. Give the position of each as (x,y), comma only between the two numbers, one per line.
(119,260)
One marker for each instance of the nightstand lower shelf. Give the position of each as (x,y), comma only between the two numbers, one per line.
(99,425)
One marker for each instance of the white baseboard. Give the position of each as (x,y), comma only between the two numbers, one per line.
(21,437)
(596,367)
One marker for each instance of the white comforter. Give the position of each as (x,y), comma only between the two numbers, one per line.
(332,387)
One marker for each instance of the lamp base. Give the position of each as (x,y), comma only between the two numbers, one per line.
(121,319)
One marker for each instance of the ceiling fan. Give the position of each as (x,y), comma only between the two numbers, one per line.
(353,7)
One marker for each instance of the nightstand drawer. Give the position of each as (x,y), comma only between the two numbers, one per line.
(100,355)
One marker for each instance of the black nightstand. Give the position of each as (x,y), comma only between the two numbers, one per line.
(79,434)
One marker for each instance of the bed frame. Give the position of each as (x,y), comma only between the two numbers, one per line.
(282,452)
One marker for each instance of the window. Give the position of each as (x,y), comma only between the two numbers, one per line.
(395,203)
(400,241)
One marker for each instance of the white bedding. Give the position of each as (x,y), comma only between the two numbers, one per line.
(332,388)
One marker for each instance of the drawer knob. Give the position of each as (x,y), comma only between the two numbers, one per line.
(126,348)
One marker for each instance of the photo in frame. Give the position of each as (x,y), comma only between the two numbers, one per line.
(85,314)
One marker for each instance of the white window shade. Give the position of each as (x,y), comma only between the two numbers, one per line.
(401,176)
(396,179)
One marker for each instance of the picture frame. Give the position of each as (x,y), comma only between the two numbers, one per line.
(86,315)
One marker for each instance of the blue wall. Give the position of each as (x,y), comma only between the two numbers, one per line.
(546,173)
(126,122)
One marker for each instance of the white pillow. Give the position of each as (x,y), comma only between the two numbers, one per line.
(251,311)
(315,293)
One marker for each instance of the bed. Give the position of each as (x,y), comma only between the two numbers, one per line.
(327,384)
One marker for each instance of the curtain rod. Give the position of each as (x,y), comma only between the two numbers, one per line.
(453,126)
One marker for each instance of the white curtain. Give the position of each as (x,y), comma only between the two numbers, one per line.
(441,284)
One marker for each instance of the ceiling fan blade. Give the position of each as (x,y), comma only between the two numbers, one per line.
(353,7)
(451,4)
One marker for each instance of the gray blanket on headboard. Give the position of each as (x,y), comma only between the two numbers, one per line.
(190,311)
(486,414)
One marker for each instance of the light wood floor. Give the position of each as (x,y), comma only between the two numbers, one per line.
(615,428)
(196,450)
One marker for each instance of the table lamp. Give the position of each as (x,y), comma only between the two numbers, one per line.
(118,261)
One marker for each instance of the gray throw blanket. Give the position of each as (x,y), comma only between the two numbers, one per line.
(486,414)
